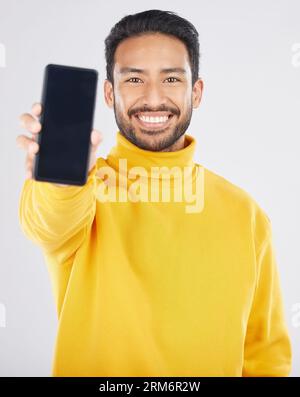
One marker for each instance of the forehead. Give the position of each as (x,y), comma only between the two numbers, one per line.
(151,50)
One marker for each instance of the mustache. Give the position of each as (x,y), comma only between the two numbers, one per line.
(145,109)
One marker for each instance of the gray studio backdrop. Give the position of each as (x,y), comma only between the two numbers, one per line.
(247,130)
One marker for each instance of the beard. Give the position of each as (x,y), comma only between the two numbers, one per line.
(154,140)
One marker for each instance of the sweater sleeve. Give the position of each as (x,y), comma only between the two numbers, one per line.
(57,218)
(267,349)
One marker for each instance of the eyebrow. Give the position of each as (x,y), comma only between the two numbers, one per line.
(127,69)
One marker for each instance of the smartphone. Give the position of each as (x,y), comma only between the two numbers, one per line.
(68,104)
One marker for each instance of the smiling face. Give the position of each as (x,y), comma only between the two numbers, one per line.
(152,94)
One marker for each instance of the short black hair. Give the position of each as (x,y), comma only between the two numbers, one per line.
(153,21)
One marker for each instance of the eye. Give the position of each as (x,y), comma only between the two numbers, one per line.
(173,78)
(132,78)
(136,78)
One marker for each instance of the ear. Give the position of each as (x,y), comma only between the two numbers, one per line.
(108,93)
(197,92)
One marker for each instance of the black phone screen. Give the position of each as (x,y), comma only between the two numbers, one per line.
(68,103)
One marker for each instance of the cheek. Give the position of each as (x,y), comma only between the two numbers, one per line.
(125,100)
(128,92)
(181,99)
(120,105)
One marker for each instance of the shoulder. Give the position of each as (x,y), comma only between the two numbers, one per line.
(236,201)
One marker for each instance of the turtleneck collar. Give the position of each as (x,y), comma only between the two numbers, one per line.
(147,159)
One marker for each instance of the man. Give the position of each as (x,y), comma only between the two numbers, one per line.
(146,286)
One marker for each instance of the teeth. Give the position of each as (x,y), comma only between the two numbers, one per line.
(153,119)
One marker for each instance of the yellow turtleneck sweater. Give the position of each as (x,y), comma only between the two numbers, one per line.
(158,288)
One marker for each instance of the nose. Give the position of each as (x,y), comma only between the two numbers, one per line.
(154,95)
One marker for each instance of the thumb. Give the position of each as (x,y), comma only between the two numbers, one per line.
(96,138)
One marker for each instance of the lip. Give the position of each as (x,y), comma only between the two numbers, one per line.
(154,126)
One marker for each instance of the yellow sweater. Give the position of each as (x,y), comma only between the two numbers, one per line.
(150,288)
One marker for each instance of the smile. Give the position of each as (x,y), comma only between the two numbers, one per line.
(153,122)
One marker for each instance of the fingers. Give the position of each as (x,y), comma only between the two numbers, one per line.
(28,167)
(33,148)
(27,144)
(36,109)
(29,121)
(28,173)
